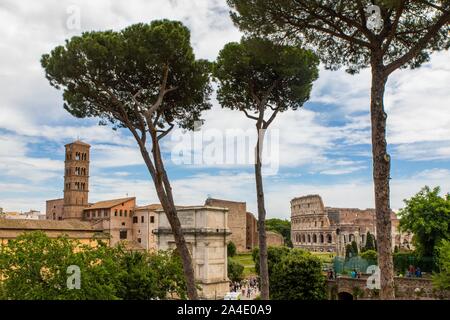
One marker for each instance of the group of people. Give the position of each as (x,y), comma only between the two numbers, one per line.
(331,275)
(414,272)
(410,273)
(248,287)
(355,274)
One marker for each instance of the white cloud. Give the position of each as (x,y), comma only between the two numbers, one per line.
(349,92)
(241,187)
(417,103)
(335,172)
(114,156)
(279,190)
(423,151)
(302,139)
(435,174)
(14,162)
(312,140)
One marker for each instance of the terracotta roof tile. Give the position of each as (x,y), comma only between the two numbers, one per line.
(79,142)
(108,203)
(26,224)
(153,206)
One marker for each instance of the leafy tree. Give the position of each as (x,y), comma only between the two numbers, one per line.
(369,255)
(262,79)
(34,267)
(355,248)
(148,276)
(169,268)
(402,261)
(138,281)
(3,295)
(144,78)
(298,276)
(427,216)
(231,249)
(349,252)
(442,279)
(342,34)
(282,227)
(235,270)
(370,242)
(274,255)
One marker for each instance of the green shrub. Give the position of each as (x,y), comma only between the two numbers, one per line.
(369,255)
(34,267)
(235,270)
(274,255)
(282,227)
(370,242)
(231,249)
(402,260)
(297,276)
(358,292)
(441,279)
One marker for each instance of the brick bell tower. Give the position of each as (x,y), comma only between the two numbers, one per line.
(76,179)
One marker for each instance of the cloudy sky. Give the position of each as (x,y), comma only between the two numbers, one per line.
(323,148)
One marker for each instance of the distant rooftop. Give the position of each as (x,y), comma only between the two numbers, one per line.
(153,206)
(222,200)
(196,207)
(79,142)
(308,196)
(349,209)
(61,225)
(108,203)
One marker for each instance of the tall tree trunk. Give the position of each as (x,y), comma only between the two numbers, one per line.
(381,176)
(164,192)
(263,264)
(171,213)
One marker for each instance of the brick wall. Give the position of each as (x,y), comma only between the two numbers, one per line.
(237,221)
(274,239)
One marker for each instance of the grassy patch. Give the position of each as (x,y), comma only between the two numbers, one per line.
(325,257)
(246,260)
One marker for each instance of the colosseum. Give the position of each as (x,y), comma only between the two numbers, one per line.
(315,227)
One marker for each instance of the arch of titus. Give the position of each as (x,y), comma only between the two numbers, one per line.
(205,231)
(315,227)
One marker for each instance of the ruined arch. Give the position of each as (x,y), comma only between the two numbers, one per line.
(344,295)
